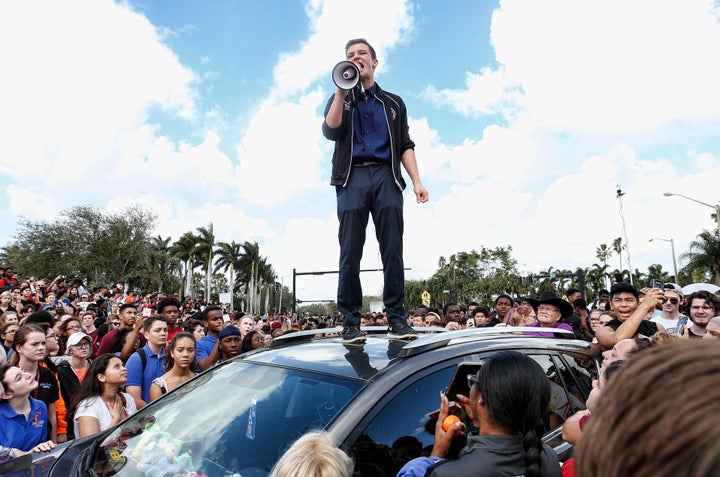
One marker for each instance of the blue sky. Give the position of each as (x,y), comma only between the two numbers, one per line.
(526,114)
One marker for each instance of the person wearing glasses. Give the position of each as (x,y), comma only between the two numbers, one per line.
(68,327)
(507,442)
(669,316)
(73,371)
(253,340)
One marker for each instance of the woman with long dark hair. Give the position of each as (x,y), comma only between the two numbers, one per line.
(508,399)
(99,402)
(252,340)
(179,365)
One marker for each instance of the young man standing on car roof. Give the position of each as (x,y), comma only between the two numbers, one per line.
(370,129)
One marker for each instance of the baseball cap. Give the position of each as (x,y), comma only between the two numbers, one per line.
(75,338)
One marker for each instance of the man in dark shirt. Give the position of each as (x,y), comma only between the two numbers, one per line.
(630,313)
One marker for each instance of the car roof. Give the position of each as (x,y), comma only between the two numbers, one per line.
(329,355)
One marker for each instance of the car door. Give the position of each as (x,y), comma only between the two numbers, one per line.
(401,426)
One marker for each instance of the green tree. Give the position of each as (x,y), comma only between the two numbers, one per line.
(595,279)
(703,258)
(618,247)
(472,275)
(184,250)
(83,242)
(655,272)
(228,256)
(204,250)
(163,266)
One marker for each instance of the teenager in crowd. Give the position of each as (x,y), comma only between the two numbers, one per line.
(29,345)
(179,364)
(99,402)
(73,371)
(23,419)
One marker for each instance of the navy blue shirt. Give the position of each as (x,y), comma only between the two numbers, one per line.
(372,139)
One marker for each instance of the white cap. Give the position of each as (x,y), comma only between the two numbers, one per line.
(75,338)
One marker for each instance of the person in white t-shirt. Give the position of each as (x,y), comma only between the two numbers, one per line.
(99,403)
(670,316)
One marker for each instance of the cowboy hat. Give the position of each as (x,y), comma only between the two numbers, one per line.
(550,298)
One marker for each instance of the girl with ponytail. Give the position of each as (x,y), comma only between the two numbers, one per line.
(508,399)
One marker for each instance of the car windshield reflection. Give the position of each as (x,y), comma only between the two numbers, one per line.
(235,419)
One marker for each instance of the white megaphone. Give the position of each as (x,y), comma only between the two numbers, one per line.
(346,75)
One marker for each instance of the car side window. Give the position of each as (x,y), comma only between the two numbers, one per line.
(403,430)
(562,403)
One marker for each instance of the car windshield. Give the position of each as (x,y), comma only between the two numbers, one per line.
(232,420)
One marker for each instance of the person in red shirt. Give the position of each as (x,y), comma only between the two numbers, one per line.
(169,307)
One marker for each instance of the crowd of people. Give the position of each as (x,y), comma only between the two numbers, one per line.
(76,361)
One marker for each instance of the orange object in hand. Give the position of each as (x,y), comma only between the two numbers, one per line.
(450,421)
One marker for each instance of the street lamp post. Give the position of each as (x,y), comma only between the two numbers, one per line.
(672,247)
(716,208)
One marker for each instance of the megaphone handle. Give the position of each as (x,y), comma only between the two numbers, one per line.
(361,96)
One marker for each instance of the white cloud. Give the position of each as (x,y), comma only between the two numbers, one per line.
(611,65)
(488,92)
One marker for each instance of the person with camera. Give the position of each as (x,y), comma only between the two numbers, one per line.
(370,129)
(669,315)
(631,313)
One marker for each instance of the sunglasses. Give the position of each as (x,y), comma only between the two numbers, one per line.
(472,380)
(674,301)
(114,323)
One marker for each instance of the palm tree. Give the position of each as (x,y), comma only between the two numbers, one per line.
(618,247)
(228,257)
(161,262)
(204,249)
(703,257)
(603,253)
(596,277)
(184,250)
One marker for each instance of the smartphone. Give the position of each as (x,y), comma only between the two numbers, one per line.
(471,322)
(458,383)
(147,312)
(657,284)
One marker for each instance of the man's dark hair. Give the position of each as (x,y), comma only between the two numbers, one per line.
(355,41)
(504,296)
(580,303)
(40,317)
(709,298)
(127,305)
(484,310)
(604,292)
(208,309)
(623,287)
(167,301)
(448,305)
(570,291)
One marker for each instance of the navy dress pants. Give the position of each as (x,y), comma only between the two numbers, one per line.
(371,190)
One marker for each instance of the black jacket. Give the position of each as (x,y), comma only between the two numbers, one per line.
(494,456)
(396,119)
(69,383)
